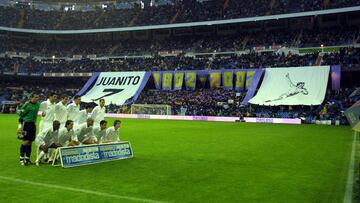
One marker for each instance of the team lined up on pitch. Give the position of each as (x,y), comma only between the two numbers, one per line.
(61,125)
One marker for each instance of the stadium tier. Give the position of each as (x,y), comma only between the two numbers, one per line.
(61,56)
(134,13)
(235,41)
(348,58)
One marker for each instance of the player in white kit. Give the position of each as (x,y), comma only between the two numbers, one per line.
(61,110)
(67,135)
(84,132)
(98,113)
(100,131)
(48,112)
(112,133)
(48,138)
(73,110)
(84,114)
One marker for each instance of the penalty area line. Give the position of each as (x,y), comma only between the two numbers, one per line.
(103,194)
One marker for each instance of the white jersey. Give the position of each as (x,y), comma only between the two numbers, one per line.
(49,109)
(98,133)
(112,135)
(47,137)
(65,136)
(61,113)
(73,112)
(83,132)
(98,114)
(82,116)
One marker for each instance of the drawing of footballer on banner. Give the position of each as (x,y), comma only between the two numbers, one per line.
(294,90)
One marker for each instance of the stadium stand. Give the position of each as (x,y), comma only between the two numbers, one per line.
(179,11)
(256,46)
(348,57)
(242,41)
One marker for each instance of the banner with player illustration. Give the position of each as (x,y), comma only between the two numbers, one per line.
(293,86)
(115,87)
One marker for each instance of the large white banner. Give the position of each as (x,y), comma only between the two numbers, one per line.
(116,87)
(293,86)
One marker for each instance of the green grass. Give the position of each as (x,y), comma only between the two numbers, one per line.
(182,161)
(319,49)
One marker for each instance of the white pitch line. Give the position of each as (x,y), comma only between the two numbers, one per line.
(348,197)
(80,190)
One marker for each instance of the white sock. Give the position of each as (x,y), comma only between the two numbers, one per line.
(41,154)
(52,155)
(57,155)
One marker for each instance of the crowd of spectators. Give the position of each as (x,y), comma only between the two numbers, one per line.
(16,91)
(218,102)
(193,43)
(248,58)
(178,11)
(200,102)
(252,60)
(349,58)
(210,45)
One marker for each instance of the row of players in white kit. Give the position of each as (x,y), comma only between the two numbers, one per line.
(65,125)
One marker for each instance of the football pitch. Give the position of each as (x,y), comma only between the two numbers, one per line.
(192,161)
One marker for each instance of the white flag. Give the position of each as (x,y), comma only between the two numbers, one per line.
(116,87)
(293,86)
